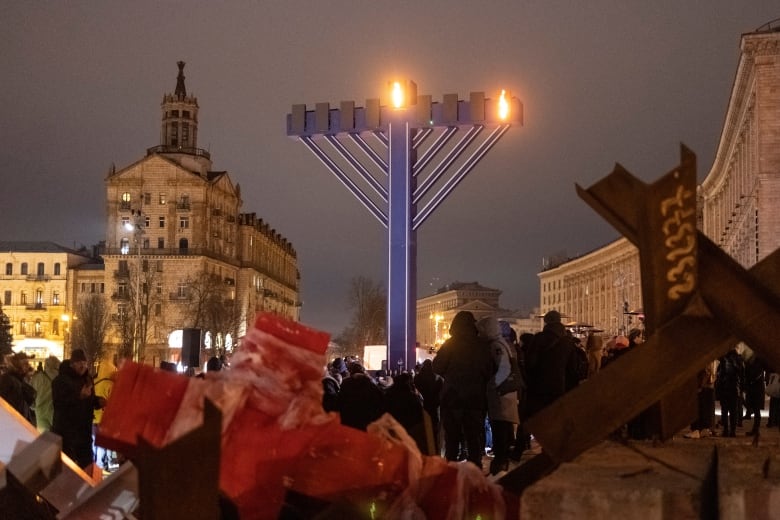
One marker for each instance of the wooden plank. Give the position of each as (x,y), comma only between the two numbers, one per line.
(181,480)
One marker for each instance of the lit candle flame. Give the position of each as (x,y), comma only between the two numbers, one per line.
(398,95)
(503,106)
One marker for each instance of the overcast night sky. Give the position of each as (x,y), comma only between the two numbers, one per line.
(601,82)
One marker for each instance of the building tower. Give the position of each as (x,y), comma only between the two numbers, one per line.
(179,129)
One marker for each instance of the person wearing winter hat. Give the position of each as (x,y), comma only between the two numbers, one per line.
(466,364)
(14,386)
(73,395)
(552,364)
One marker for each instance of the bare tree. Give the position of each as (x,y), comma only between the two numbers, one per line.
(132,322)
(213,306)
(89,330)
(368,301)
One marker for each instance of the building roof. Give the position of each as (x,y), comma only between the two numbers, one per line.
(26,246)
(464,286)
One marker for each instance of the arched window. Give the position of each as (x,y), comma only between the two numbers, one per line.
(41,269)
(38,328)
(24,268)
(23,327)
(9,268)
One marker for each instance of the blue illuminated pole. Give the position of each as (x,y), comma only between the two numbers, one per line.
(402,251)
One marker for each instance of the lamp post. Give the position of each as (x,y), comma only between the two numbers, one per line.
(137,228)
(384,156)
(65,335)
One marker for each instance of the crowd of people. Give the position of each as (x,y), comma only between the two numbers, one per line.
(473,396)
(67,398)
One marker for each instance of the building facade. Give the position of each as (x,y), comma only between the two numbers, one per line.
(739,201)
(180,253)
(740,198)
(435,312)
(36,287)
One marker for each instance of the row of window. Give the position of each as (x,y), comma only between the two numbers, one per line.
(124,245)
(24,269)
(175,113)
(127,199)
(184,222)
(37,328)
(37,300)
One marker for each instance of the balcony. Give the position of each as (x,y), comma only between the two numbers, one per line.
(124,206)
(178,297)
(121,296)
(38,278)
(35,306)
(122,273)
(183,206)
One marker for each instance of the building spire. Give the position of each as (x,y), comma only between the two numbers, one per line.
(181,90)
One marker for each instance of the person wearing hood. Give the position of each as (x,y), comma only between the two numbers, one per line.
(502,405)
(465,363)
(75,402)
(14,387)
(41,381)
(552,364)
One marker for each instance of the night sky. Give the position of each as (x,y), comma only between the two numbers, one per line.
(601,82)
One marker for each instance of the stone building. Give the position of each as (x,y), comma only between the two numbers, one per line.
(739,201)
(435,312)
(36,283)
(740,198)
(177,242)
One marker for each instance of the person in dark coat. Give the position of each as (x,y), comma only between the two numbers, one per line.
(430,386)
(755,386)
(405,404)
(729,382)
(14,387)
(361,402)
(552,364)
(75,402)
(465,363)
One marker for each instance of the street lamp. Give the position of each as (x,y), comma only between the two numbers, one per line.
(136,226)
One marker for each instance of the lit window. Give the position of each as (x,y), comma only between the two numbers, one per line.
(125,223)
(126,197)
(162,198)
(124,246)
